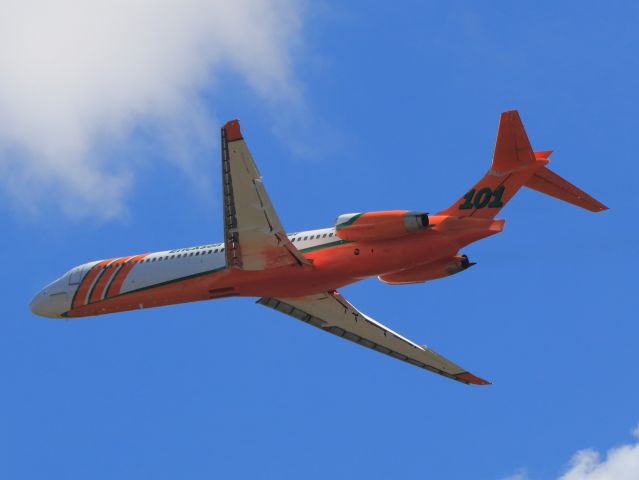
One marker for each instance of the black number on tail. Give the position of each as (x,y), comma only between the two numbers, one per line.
(468,200)
(482,198)
(497,194)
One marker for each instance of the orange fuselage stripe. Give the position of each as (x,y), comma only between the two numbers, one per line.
(101,284)
(121,275)
(84,287)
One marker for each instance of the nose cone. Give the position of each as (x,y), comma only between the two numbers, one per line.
(52,301)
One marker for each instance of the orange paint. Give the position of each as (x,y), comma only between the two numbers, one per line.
(116,285)
(372,226)
(431,271)
(232,130)
(470,378)
(546,181)
(83,289)
(101,284)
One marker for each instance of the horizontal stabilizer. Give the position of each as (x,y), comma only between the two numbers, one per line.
(546,181)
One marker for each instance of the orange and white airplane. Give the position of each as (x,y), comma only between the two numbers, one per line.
(298,274)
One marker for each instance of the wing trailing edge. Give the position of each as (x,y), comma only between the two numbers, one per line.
(333,314)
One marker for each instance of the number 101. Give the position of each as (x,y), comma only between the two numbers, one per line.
(485,197)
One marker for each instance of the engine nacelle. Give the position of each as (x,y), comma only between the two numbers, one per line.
(431,271)
(372,226)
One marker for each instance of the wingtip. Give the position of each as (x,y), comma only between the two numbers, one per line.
(232,130)
(598,207)
(471,379)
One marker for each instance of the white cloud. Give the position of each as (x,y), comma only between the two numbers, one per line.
(621,463)
(77,79)
(520,474)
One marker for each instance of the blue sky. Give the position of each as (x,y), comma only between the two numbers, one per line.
(351,107)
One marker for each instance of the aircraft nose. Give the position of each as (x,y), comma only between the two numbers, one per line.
(38,304)
(49,305)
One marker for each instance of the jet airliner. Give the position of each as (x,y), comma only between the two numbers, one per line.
(298,274)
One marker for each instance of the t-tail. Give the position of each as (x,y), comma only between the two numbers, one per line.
(515,165)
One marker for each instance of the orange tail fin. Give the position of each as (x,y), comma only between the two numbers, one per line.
(513,164)
(516,165)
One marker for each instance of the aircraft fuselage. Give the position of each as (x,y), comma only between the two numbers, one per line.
(199,273)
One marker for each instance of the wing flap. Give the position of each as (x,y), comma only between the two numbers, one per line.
(332,313)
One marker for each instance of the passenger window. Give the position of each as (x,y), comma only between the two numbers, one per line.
(306,237)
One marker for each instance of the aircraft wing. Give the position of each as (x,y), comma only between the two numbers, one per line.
(253,234)
(332,313)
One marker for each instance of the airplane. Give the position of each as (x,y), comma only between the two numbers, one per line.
(298,274)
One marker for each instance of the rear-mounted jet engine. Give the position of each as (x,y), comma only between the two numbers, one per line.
(373,226)
(431,271)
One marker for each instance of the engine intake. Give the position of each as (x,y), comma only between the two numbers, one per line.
(371,226)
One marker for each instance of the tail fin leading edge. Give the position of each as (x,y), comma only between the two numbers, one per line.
(515,165)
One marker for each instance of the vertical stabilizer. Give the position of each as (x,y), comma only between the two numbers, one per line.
(513,163)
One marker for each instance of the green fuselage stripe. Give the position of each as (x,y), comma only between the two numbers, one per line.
(325,245)
(215,270)
(348,222)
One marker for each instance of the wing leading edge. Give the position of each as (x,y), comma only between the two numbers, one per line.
(253,234)
(332,313)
